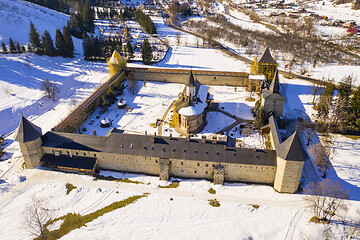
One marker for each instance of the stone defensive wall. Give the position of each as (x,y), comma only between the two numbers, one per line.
(205,77)
(74,119)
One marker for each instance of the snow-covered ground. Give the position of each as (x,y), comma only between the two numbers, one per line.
(188,215)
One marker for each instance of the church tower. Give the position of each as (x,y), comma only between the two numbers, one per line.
(191,87)
(271,99)
(29,137)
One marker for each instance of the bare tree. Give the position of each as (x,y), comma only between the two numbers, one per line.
(36,216)
(308,129)
(133,85)
(50,89)
(322,154)
(325,199)
(315,89)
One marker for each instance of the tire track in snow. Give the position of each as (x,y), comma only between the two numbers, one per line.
(294,224)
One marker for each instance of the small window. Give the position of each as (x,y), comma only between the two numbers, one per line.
(182,163)
(67,152)
(163,149)
(156,161)
(145,148)
(174,150)
(152,148)
(169,162)
(84,154)
(195,151)
(185,150)
(126,159)
(77,153)
(94,155)
(53,151)
(206,152)
(182,170)
(60,152)
(195,171)
(217,153)
(131,145)
(198,164)
(207,165)
(234,154)
(213,165)
(206,172)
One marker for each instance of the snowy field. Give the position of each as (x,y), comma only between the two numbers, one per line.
(188,215)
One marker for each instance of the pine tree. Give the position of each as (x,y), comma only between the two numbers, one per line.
(60,43)
(34,38)
(146,52)
(87,17)
(23,49)
(76,26)
(85,45)
(29,48)
(69,45)
(12,47)
(48,44)
(129,50)
(4,48)
(18,47)
(354,111)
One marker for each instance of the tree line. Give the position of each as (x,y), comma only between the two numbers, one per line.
(127,13)
(82,20)
(338,107)
(145,22)
(64,45)
(57,5)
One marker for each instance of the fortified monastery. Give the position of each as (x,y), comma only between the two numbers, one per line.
(213,159)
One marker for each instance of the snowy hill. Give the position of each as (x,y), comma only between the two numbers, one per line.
(22,73)
(15,18)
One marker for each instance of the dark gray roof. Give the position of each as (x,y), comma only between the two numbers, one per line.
(275,131)
(292,149)
(27,131)
(162,147)
(78,162)
(275,84)
(266,93)
(191,81)
(266,57)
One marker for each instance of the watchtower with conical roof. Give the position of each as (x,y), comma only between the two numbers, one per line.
(265,65)
(271,99)
(115,63)
(291,156)
(29,137)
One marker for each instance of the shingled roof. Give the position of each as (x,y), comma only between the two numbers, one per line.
(27,131)
(191,81)
(275,84)
(266,57)
(161,147)
(292,149)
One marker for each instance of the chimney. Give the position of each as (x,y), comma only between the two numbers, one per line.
(170,135)
(145,132)
(203,139)
(214,140)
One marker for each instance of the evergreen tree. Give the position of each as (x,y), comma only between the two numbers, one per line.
(87,17)
(130,50)
(60,43)
(29,49)
(34,38)
(86,46)
(18,47)
(146,52)
(354,111)
(23,49)
(69,45)
(48,44)
(12,47)
(76,26)
(4,48)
